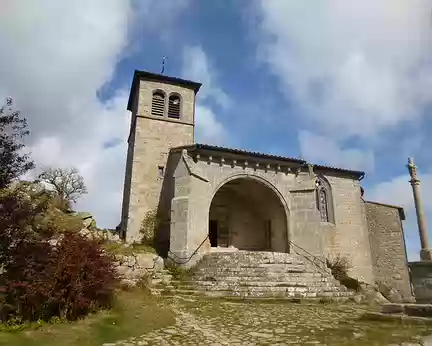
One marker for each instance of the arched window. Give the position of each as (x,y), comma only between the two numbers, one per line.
(324,200)
(174,103)
(158,103)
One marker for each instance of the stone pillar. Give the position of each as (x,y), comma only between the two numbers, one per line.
(425,252)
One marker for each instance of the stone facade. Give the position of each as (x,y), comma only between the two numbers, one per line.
(150,140)
(348,236)
(255,202)
(387,241)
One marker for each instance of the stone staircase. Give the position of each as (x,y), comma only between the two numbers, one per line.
(258,275)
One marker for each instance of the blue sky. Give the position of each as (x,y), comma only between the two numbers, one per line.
(335,82)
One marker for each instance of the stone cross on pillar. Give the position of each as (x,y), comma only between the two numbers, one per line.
(425,252)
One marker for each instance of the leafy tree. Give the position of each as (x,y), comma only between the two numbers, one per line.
(43,275)
(68,184)
(13,128)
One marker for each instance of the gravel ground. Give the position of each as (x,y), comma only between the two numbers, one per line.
(220,322)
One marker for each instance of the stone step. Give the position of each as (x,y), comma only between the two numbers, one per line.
(260,267)
(270,286)
(258,256)
(259,294)
(219,295)
(262,256)
(267,284)
(294,288)
(253,254)
(276,278)
(260,275)
(265,280)
(233,258)
(253,273)
(162,276)
(253,260)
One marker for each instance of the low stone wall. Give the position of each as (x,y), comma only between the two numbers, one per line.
(421,278)
(419,310)
(136,267)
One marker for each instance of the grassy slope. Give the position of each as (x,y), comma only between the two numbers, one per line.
(134,313)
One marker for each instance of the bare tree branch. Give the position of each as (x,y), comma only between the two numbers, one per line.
(68,184)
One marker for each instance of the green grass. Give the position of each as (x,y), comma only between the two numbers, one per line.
(121,249)
(134,313)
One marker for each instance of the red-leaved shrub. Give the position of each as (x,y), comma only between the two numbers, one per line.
(39,280)
(83,277)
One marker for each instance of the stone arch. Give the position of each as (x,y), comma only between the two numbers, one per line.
(273,191)
(175,105)
(324,198)
(158,103)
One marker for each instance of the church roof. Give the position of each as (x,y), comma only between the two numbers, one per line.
(298,162)
(149,76)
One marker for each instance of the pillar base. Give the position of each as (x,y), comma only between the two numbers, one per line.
(426,254)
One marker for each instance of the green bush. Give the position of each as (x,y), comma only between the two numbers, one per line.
(40,281)
(339,266)
(179,273)
(149,227)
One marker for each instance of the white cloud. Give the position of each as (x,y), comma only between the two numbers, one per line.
(54,58)
(325,150)
(356,67)
(196,67)
(208,129)
(398,191)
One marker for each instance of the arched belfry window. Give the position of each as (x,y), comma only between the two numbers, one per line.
(174,104)
(324,200)
(158,103)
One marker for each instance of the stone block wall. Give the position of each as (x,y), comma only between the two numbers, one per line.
(421,275)
(348,236)
(387,241)
(305,221)
(162,240)
(150,142)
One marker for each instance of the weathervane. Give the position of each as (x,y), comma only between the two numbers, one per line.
(163,64)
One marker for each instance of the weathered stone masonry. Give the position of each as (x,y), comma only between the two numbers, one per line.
(259,193)
(150,140)
(388,245)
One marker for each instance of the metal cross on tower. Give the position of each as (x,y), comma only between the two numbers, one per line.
(163,64)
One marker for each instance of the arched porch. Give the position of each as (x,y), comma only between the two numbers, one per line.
(248,214)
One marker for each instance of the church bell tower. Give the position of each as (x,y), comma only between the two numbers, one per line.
(163,116)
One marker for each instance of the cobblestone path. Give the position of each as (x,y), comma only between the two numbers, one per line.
(217,322)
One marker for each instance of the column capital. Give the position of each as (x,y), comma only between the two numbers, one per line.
(412,169)
(415,182)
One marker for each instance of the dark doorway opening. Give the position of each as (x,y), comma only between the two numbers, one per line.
(213,233)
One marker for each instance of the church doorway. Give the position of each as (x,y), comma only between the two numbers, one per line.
(248,215)
(213,233)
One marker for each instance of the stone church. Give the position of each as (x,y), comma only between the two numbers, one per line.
(209,198)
